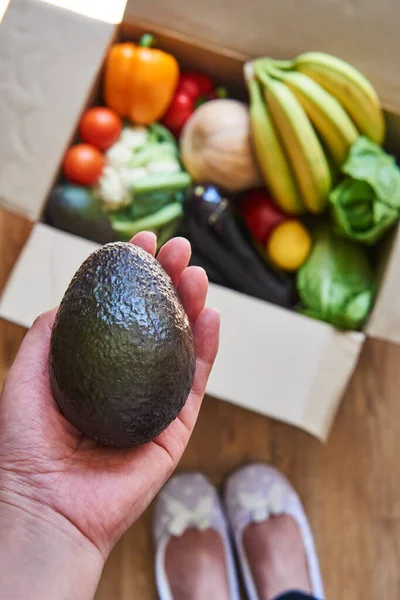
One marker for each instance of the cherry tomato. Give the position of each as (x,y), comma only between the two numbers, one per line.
(261,215)
(100,126)
(196,84)
(83,164)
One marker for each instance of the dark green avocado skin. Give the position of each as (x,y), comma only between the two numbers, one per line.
(122,355)
(75,209)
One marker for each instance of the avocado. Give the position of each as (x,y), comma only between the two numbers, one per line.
(76,210)
(122,355)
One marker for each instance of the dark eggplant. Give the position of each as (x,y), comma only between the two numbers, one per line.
(213,274)
(214,235)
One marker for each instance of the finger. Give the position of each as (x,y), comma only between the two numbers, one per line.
(206,334)
(192,290)
(174,257)
(146,240)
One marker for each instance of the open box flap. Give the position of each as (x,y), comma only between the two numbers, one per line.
(305,364)
(42,273)
(271,360)
(49,59)
(363,32)
(384,322)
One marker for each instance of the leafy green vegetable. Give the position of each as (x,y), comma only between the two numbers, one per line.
(155,191)
(357,212)
(171,182)
(367,203)
(369,162)
(159,134)
(168,231)
(143,156)
(152,193)
(147,204)
(336,284)
(157,222)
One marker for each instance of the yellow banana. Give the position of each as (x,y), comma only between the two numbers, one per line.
(300,140)
(349,87)
(271,158)
(328,116)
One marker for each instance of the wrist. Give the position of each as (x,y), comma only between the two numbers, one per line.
(43,555)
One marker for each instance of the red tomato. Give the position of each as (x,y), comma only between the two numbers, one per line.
(196,84)
(261,215)
(100,126)
(180,109)
(83,164)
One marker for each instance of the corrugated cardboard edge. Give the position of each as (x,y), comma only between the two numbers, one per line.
(384,322)
(271,360)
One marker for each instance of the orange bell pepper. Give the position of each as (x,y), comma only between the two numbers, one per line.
(140,81)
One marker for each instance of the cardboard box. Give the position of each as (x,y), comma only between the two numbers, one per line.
(271,360)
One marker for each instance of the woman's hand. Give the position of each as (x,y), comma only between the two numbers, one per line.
(51,475)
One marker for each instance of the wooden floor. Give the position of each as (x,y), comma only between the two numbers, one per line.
(350,487)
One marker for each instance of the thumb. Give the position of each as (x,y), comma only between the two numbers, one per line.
(27,406)
(31,363)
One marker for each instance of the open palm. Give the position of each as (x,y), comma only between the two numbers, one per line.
(44,460)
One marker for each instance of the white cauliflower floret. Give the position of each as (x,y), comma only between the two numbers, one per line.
(130,176)
(111,190)
(119,155)
(166,165)
(134,137)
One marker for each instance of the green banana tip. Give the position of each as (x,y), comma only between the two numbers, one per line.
(285,65)
(262,74)
(248,71)
(266,68)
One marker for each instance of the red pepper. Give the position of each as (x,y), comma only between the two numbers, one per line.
(180,109)
(196,84)
(193,89)
(261,215)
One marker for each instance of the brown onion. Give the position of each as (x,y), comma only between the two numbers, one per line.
(216,146)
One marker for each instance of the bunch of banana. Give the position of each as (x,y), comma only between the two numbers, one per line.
(305,114)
